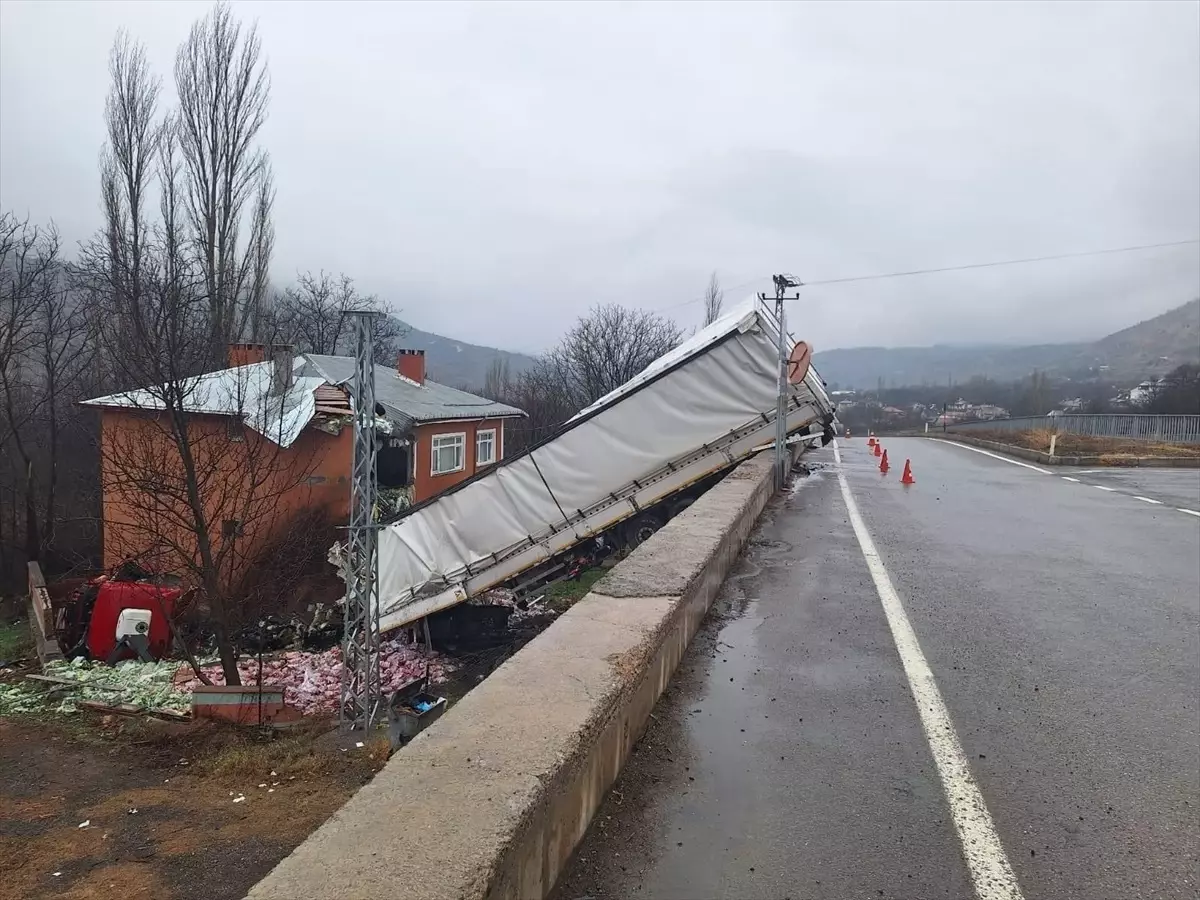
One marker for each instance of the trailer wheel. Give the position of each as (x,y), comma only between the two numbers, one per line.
(641,528)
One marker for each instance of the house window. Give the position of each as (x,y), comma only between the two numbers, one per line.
(485,447)
(235,428)
(449,453)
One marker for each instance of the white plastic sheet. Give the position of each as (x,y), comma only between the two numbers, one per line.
(724,377)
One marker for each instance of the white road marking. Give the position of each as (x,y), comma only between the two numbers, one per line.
(991,872)
(1015,462)
(1190,512)
(1148,500)
(1069,478)
(1101,487)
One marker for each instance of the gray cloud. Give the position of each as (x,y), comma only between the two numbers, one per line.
(494,169)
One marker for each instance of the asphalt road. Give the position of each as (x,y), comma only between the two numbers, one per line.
(1061,623)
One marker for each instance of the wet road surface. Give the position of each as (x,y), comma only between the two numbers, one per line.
(1062,625)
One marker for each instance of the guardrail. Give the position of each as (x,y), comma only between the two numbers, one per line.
(1135,427)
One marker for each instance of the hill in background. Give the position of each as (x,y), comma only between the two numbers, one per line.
(457,363)
(1147,350)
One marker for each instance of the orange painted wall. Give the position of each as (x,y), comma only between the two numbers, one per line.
(326,458)
(315,472)
(425,483)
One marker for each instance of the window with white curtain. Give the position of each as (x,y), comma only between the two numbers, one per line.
(485,447)
(449,453)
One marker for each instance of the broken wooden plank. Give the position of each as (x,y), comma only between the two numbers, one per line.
(171,714)
(71,682)
(122,709)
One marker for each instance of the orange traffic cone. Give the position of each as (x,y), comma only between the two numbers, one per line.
(870,441)
(907,478)
(847,434)
(878,448)
(883,463)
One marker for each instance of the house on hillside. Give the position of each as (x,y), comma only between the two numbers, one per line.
(1144,392)
(269,438)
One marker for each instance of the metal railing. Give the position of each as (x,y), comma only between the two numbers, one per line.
(1134,427)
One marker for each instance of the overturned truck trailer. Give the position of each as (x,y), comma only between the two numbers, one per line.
(633,456)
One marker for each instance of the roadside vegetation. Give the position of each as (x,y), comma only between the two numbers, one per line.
(1083,445)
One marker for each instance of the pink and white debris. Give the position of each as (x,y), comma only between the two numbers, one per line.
(312,682)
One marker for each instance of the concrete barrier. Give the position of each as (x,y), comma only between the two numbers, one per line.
(491,800)
(1109,459)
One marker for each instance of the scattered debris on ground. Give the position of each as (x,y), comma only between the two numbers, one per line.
(202,809)
(312,681)
(64,686)
(1083,445)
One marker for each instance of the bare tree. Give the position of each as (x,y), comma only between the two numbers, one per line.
(497,381)
(28,261)
(601,352)
(196,489)
(714,297)
(224,91)
(605,349)
(314,314)
(43,352)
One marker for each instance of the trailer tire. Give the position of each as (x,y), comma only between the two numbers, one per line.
(641,528)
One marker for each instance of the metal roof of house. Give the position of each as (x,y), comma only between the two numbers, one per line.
(406,401)
(243,390)
(247,391)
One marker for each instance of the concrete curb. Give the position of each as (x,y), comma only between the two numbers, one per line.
(491,801)
(1152,462)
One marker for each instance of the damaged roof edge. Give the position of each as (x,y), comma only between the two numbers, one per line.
(408,402)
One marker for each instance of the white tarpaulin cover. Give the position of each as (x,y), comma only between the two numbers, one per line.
(720,379)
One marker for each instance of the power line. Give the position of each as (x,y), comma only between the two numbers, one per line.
(755,280)
(984,265)
(1005,262)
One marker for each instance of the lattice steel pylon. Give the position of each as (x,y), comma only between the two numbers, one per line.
(361,691)
(782,460)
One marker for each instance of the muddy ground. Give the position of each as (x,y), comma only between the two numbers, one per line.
(159,798)
(159,803)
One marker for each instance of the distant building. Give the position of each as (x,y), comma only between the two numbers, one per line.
(1144,392)
(989,411)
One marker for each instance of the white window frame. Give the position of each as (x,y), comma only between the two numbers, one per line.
(492,432)
(436,443)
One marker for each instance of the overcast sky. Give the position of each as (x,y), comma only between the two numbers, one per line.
(495,169)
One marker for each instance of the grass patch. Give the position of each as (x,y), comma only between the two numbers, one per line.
(564,594)
(303,756)
(16,640)
(1083,445)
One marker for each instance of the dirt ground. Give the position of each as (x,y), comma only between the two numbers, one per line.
(1081,445)
(159,798)
(159,803)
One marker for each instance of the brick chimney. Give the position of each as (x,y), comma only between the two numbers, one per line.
(411,364)
(246,354)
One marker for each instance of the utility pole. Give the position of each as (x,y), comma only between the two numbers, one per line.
(782,283)
(361,690)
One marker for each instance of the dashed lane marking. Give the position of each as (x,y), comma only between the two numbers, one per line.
(991,872)
(1025,465)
